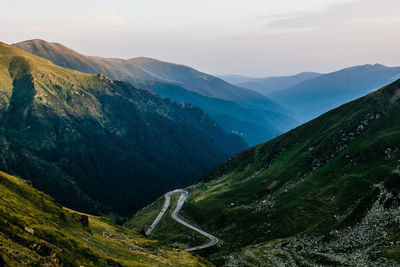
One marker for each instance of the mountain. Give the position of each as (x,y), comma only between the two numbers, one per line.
(37,231)
(237,79)
(316,96)
(98,145)
(269,85)
(181,83)
(326,193)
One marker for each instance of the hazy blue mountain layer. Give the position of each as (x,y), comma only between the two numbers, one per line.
(325,92)
(236,78)
(268,85)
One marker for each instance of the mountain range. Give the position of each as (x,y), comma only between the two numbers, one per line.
(310,94)
(237,78)
(238,110)
(269,85)
(66,131)
(324,194)
(325,92)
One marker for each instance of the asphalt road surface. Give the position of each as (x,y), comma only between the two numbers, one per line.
(175,215)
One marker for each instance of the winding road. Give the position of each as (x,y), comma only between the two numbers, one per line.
(175,215)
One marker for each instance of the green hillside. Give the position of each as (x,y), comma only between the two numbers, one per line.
(98,145)
(36,231)
(325,193)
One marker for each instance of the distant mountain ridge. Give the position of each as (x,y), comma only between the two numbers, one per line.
(315,96)
(309,94)
(99,145)
(179,82)
(269,85)
(237,79)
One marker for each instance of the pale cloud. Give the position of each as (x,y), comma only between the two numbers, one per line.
(290,30)
(288,23)
(374,20)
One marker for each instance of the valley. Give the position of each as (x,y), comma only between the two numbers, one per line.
(294,170)
(324,193)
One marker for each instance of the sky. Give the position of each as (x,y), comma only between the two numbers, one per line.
(250,37)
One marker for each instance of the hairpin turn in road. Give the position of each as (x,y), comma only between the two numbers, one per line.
(175,215)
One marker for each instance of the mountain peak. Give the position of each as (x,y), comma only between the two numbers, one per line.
(376,65)
(364,67)
(39,43)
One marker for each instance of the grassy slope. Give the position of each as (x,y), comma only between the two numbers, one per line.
(325,175)
(34,230)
